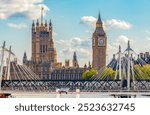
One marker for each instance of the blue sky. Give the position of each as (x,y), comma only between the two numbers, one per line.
(73,25)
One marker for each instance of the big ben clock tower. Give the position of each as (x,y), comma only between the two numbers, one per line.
(99,45)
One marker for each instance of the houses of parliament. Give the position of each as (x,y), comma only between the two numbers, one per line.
(44,54)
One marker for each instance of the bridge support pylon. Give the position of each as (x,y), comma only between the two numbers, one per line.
(2,63)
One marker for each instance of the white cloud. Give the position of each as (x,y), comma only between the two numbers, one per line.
(114,23)
(21,8)
(111,48)
(76,41)
(123,39)
(88,31)
(148,38)
(81,46)
(82,53)
(89,20)
(67,51)
(62,43)
(109,24)
(17,26)
(147,31)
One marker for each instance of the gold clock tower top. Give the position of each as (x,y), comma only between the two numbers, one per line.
(99,22)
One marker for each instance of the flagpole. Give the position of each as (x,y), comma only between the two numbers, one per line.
(42,8)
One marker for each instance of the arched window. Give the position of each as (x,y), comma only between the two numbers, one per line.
(41,47)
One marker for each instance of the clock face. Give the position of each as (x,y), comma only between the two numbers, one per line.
(101,41)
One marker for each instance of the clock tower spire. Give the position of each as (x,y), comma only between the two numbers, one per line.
(99,22)
(99,45)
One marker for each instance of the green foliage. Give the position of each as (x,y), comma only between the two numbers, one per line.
(142,72)
(89,73)
(107,73)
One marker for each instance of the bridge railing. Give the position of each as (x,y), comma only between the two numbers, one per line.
(83,85)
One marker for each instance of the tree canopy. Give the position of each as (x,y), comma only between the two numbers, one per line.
(88,74)
(140,72)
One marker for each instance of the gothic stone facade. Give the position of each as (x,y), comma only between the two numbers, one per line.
(44,58)
(99,46)
(68,72)
(43,50)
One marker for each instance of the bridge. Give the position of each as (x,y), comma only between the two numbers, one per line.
(14,76)
(83,85)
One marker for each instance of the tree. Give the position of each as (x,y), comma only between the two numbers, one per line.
(107,73)
(88,74)
(142,72)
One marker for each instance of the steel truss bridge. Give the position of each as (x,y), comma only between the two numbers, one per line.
(88,85)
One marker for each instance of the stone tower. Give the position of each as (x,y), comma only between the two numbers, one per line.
(67,63)
(99,45)
(42,42)
(24,58)
(44,55)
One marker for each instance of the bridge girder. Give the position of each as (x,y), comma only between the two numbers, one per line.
(89,85)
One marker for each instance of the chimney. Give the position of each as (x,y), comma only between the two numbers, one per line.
(141,55)
(146,54)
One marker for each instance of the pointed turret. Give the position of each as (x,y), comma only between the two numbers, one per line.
(74,56)
(99,22)
(33,26)
(99,26)
(50,25)
(90,65)
(45,23)
(99,19)
(24,58)
(37,23)
(85,67)
(4,43)
(75,61)
(25,55)
(50,32)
